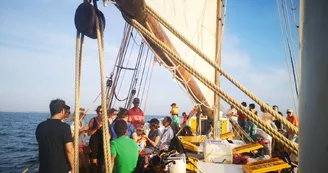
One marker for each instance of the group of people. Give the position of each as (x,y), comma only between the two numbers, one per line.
(250,128)
(128,139)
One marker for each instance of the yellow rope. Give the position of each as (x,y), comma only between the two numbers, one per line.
(279,137)
(208,60)
(106,141)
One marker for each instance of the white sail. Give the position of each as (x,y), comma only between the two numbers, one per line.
(196,20)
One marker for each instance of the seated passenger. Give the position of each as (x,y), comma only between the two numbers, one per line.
(153,137)
(167,134)
(124,151)
(141,140)
(123,115)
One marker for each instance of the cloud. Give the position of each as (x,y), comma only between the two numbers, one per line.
(269,82)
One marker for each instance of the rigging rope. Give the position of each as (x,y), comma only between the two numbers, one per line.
(285,50)
(122,52)
(289,39)
(148,88)
(78,58)
(295,23)
(212,63)
(143,71)
(134,78)
(100,39)
(127,64)
(279,137)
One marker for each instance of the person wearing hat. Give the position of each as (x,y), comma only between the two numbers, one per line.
(175,120)
(153,137)
(292,119)
(136,115)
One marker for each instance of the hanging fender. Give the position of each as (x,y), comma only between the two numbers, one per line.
(85,20)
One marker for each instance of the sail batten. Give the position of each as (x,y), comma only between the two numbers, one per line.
(196,20)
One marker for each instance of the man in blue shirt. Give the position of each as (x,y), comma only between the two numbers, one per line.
(123,115)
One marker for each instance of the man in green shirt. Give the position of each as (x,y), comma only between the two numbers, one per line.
(124,151)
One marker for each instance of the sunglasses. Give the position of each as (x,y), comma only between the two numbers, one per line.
(288,112)
(139,130)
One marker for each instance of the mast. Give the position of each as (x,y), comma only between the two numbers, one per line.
(218,43)
(313,96)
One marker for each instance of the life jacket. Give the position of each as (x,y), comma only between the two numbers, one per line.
(174,110)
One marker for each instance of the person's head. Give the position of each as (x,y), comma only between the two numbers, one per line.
(184,114)
(99,111)
(121,128)
(57,107)
(67,112)
(251,106)
(136,102)
(112,113)
(262,108)
(167,121)
(173,104)
(153,124)
(275,107)
(123,114)
(231,107)
(81,114)
(290,112)
(139,130)
(244,104)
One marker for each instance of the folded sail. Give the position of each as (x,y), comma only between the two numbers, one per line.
(196,20)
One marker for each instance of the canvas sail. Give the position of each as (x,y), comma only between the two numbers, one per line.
(196,20)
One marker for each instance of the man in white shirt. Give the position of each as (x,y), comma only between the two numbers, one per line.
(167,134)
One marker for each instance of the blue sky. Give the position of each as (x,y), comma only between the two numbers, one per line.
(37,45)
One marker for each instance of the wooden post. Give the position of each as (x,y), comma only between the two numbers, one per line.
(218,47)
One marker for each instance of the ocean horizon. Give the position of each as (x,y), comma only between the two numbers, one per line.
(19,148)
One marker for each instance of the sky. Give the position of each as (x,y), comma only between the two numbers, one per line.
(37,59)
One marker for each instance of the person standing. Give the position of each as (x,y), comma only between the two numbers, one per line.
(136,115)
(292,119)
(124,151)
(242,118)
(175,120)
(56,152)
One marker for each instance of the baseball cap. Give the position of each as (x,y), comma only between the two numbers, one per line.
(154,121)
(290,110)
(136,101)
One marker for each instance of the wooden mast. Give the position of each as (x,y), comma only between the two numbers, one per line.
(313,140)
(137,11)
(218,47)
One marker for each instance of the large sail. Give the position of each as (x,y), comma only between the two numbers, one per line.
(196,20)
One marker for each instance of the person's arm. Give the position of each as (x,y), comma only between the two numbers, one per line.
(70,154)
(295,122)
(153,143)
(91,132)
(134,136)
(68,141)
(113,153)
(113,161)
